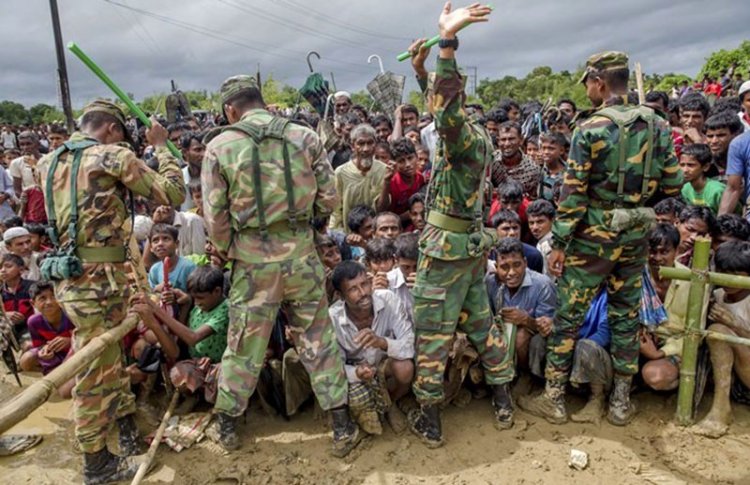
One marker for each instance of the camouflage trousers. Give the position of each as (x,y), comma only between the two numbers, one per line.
(258,291)
(450,295)
(102,390)
(587,266)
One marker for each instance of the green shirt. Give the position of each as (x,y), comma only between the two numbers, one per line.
(709,197)
(214,345)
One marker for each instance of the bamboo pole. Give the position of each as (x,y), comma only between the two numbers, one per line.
(693,327)
(718,279)
(732,339)
(639,83)
(146,464)
(37,393)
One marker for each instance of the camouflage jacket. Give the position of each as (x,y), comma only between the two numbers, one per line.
(106,174)
(464,153)
(590,182)
(229,202)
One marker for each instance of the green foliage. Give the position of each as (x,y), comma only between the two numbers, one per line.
(44,113)
(540,84)
(723,59)
(666,82)
(13,113)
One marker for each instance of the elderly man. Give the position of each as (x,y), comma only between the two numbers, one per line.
(360,180)
(342,103)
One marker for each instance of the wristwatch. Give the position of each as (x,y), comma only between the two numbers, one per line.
(446,43)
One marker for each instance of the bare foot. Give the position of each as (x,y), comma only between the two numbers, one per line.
(591,412)
(711,427)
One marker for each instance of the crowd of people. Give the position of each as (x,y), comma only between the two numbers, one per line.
(370,248)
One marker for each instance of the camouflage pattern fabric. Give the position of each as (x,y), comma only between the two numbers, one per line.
(230,205)
(280,269)
(256,294)
(594,250)
(96,301)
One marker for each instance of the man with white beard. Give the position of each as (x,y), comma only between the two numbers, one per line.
(360,180)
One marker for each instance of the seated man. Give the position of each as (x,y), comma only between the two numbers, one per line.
(50,331)
(401,279)
(508,225)
(524,298)
(387,225)
(731,362)
(377,343)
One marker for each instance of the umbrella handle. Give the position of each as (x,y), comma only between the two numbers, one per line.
(380,62)
(309,64)
(328,103)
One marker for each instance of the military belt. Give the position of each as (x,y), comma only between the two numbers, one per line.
(449,223)
(102,255)
(302,223)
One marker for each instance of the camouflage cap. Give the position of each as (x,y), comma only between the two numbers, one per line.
(235,85)
(604,61)
(104,106)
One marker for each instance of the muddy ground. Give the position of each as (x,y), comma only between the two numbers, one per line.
(651,450)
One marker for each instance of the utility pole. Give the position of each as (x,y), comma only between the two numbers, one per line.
(474,83)
(62,72)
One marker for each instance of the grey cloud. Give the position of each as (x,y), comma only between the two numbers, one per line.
(142,54)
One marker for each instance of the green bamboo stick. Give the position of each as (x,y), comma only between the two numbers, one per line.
(72,47)
(732,339)
(693,328)
(430,42)
(718,279)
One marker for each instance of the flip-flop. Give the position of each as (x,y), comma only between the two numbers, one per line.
(17,443)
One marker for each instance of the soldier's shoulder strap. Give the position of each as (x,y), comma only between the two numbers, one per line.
(77,147)
(624,118)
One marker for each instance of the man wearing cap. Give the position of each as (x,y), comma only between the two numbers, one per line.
(97,300)
(18,241)
(620,157)
(263,180)
(342,103)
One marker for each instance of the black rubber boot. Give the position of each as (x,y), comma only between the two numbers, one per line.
(503,404)
(621,410)
(129,438)
(104,467)
(228,437)
(425,423)
(346,433)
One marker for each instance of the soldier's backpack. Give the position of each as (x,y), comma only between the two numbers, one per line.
(273,130)
(63,263)
(623,218)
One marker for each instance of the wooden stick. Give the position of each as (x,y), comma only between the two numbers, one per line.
(639,83)
(37,394)
(156,441)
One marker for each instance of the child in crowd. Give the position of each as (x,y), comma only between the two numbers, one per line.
(531,148)
(50,330)
(695,221)
(330,256)
(407,180)
(510,196)
(416,213)
(380,258)
(39,239)
(695,162)
(668,210)
(423,161)
(205,335)
(361,227)
(541,214)
(196,192)
(163,240)
(16,297)
(401,279)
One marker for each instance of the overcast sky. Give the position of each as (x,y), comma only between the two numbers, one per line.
(198,43)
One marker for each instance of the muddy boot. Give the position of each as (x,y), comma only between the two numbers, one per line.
(228,438)
(594,409)
(346,433)
(104,467)
(549,405)
(396,419)
(425,423)
(621,410)
(129,438)
(503,404)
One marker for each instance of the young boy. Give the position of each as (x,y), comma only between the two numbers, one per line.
(380,258)
(205,334)
(16,297)
(695,162)
(361,227)
(553,148)
(407,180)
(401,279)
(196,193)
(730,362)
(416,213)
(163,242)
(695,221)
(668,210)
(330,256)
(541,214)
(38,233)
(50,331)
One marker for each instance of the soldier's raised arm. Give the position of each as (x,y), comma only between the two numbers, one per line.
(165,186)
(574,197)
(216,201)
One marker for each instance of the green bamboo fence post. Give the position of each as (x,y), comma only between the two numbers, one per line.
(72,47)
(693,328)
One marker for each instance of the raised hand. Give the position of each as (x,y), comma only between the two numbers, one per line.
(451,21)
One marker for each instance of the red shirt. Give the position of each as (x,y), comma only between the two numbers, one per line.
(400,192)
(34,210)
(714,88)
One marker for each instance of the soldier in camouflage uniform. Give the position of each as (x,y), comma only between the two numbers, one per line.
(97,300)
(620,157)
(449,290)
(263,181)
